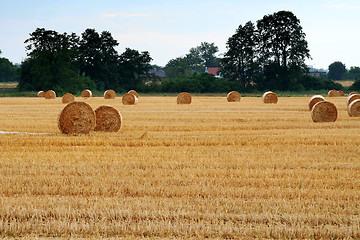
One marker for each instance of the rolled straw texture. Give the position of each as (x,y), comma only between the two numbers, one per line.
(233,96)
(40,94)
(108,119)
(333,93)
(352,98)
(315,99)
(86,93)
(270,97)
(133,92)
(68,98)
(110,94)
(50,94)
(354,108)
(129,99)
(353,93)
(76,118)
(340,93)
(324,112)
(183,98)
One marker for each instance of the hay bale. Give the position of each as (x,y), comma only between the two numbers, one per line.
(333,93)
(68,98)
(233,96)
(108,119)
(76,118)
(354,108)
(129,99)
(351,98)
(270,97)
(133,92)
(324,112)
(86,93)
(40,94)
(353,93)
(340,93)
(110,94)
(315,99)
(50,94)
(183,98)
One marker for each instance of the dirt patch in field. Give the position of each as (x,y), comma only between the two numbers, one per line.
(345,83)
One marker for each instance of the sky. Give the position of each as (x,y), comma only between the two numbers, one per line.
(169,29)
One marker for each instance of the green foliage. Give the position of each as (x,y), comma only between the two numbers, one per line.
(355,86)
(8,71)
(317,83)
(336,71)
(68,63)
(353,73)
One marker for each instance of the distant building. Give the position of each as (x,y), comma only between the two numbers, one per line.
(214,71)
(316,72)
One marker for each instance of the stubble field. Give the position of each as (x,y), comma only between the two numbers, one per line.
(210,169)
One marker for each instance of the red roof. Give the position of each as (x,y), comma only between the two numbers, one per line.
(213,70)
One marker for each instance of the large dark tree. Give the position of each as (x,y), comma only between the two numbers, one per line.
(240,60)
(336,71)
(8,71)
(50,62)
(282,39)
(98,58)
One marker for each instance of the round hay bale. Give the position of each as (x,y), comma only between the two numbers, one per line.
(315,99)
(76,118)
(86,93)
(108,119)
(353,93)
(183,98)
(354,108)
(40,94)
(110,94)
(50,94)
(129,99)
(270,97)
(324,112)
(351,98)
(340,93)
(233,96)
(133,92)
(333,93)
(68,98)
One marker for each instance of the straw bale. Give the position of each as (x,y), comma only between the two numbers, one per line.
(129,99)
(133,92)
(233,96)
(353,93)
(315,99)
(351,98)
(108,119)
(86,93)
(110,94)
(183,98)
(340,93)
(354,108)
(76,118)
(68,98)
(324,112)
(50,94)
(333,93)
(40,94)
(270,97)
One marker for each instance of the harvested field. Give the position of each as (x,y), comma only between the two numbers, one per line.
(205,170)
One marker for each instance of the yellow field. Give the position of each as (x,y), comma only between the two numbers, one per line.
(210,169)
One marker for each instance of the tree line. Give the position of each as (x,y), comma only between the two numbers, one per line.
(267,55)
(69,63)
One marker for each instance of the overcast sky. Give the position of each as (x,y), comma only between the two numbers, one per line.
(168,29)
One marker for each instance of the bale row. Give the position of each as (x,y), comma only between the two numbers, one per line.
(335,93)
(79,118)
